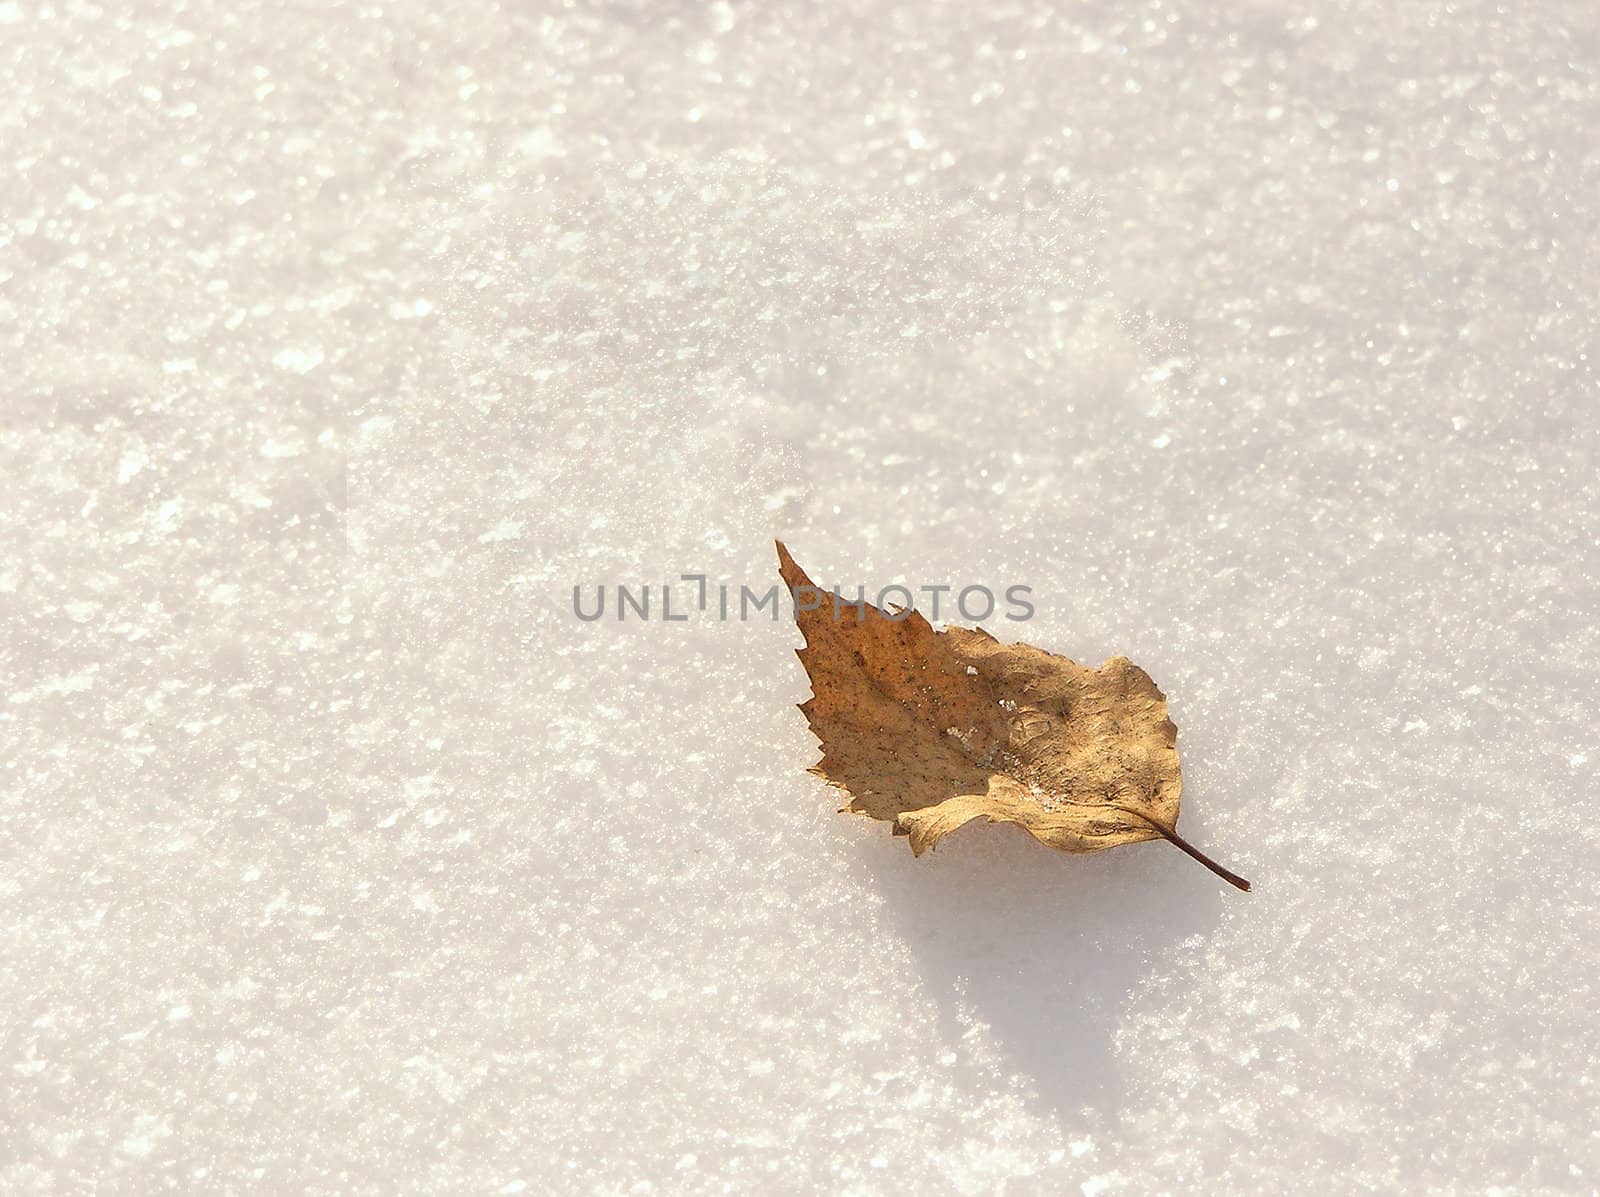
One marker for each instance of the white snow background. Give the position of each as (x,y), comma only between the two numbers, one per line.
(341,341)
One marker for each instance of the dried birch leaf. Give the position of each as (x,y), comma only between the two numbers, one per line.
(930,730)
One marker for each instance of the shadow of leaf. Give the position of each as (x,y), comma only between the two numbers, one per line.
(1048,951)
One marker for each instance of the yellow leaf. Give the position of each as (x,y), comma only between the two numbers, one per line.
(930,730)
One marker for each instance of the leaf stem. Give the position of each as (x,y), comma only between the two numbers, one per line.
(1172,836)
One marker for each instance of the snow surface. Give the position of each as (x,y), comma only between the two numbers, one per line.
(342,341)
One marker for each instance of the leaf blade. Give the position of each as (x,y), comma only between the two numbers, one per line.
(931,730)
